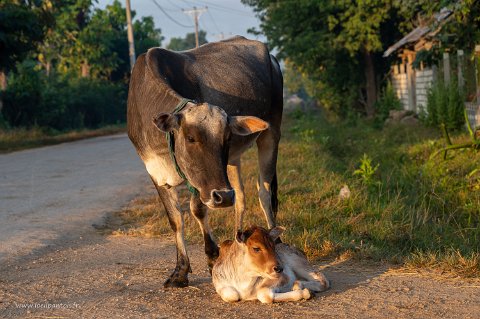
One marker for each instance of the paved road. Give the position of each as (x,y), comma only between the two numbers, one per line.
(55,192)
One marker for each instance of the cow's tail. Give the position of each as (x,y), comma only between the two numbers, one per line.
(274,195)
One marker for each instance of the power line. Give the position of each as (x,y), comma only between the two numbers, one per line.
(213,20)
(220,7)
(172,19)
(173,4)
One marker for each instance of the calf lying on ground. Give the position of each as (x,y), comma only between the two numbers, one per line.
(253,267)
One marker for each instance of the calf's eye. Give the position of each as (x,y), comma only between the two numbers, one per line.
(190,139)
(256,249)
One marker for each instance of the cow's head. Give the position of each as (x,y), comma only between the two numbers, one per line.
(202,133)
(259,247)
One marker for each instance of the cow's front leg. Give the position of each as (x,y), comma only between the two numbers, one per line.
(169,198)
(235,179)
(200,211)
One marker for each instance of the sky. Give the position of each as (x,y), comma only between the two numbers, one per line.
(229,17)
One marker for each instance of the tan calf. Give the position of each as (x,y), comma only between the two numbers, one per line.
(253,267)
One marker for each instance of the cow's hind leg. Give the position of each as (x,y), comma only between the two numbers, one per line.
(200,211)
(267,144)
(169,198)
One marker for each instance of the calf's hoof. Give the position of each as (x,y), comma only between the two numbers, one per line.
(175,281)
(306,294)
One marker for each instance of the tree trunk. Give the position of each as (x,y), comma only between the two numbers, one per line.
(48,66)
(3,80)
(371,86)
(3,86)
(85,70)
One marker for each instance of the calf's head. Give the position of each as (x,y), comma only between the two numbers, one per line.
(260,255)
(202,133)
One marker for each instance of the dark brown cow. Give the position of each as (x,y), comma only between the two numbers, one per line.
(237,88)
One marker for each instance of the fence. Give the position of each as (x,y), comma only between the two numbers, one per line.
(412,85)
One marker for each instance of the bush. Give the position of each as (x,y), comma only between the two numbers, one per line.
(387,101)
(32,99)
(23,96)
(445,105)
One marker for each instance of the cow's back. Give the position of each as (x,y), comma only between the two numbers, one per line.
(236,75)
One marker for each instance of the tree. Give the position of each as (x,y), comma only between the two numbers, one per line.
(181,44)
(93,43)
(20,31)
(337,43)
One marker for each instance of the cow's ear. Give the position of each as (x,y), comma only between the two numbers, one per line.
(275,232)
(167,122)
(240,237)
(246,125)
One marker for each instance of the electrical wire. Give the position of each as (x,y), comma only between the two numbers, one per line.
(213,20)
(168,16)
(220,7)
(173,4)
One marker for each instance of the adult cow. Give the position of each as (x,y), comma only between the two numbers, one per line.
(235,91)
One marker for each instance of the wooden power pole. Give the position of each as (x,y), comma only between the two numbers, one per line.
(195,13)
(131,44)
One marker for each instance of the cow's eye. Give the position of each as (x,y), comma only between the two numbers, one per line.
(190,139)
(256,249)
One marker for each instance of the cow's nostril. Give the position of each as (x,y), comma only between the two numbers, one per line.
(278,269)
(217,198)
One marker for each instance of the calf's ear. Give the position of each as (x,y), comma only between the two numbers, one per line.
(240,237)
(246,125)
(275,232)
(167,122)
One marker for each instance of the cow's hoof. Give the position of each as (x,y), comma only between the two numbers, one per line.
(176,282)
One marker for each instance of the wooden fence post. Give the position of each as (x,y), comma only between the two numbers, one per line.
(411,82)
(446,68)
(460,65)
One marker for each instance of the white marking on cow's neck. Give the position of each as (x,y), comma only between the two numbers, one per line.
(162,170)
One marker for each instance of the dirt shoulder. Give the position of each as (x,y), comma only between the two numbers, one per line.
(98,276)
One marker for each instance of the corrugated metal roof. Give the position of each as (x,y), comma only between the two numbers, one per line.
(418,33)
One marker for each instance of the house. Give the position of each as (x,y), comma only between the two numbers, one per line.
(411,79)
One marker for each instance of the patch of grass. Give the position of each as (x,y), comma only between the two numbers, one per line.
(415,211)
(20,138)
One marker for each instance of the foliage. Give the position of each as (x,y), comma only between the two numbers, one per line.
(336,43)
(388,101)
(80,77)
(366,170)
(95,40)
(61,103)
(20,31)
(422,212)
(182,44)
(445,105)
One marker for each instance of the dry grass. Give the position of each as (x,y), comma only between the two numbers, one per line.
(18,139)
(413,211)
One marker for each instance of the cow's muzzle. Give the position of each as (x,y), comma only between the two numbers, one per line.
(221,198)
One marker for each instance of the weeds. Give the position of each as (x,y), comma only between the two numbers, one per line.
(422,213)
(15,139)
(366,170)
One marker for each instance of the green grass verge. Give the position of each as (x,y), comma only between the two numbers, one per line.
(21,138)
(403,207)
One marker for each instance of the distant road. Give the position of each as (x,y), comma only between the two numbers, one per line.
(55,192)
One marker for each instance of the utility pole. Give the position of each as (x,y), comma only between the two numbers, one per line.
(131,45)
(195,13)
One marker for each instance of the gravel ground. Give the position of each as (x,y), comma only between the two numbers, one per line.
(54,264)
